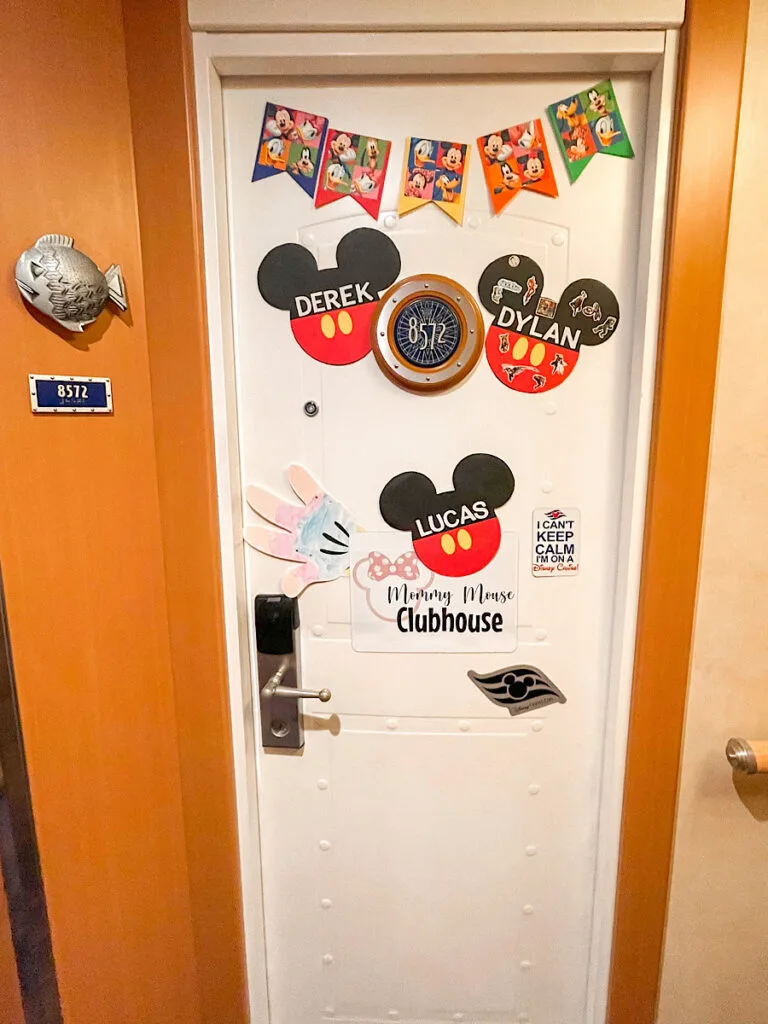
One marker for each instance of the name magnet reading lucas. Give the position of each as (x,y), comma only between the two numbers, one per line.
(399,604)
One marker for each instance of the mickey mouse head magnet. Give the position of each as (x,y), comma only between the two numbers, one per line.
(534,342)
(331,310)
(454,533)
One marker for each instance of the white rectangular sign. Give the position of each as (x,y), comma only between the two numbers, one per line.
(400,605)
(556,547)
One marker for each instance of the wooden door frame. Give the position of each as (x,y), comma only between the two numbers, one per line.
(707,119)
(709,101)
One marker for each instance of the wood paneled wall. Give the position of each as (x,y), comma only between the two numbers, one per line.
(107,533)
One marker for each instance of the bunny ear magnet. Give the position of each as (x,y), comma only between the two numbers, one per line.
(331,310)
(353,165)
(315,534)
(534,342)
(291,141)
(518,688)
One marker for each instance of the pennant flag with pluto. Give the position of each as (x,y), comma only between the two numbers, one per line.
(587,123)
(353,165)
(534,342)
(291,141)
(514,159)
(434,172)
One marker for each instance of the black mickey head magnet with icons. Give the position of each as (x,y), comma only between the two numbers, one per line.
(454,533)
(331,310)
(534,342)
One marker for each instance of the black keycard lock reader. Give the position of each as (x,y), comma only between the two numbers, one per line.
(278,664)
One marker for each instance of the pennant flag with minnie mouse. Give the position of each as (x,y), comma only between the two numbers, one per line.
(435,172)
(291,141)
(514,159)
(587,123)
(353,165)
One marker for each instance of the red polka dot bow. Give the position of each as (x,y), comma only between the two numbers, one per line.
(405,566)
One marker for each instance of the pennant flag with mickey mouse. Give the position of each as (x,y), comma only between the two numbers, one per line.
(435,172)
(514,159)
(353,165)
(534,342)
(291,141)
(587,123)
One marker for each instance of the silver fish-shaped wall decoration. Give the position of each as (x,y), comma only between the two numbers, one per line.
(65,284)
(518,688)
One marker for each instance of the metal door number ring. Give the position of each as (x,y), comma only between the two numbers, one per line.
(427,333)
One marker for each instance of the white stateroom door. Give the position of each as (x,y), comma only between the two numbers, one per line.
(427,857)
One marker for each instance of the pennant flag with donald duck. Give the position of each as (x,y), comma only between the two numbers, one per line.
(353,165)
(587,123)
(514,159)
(434,172)
(291,141)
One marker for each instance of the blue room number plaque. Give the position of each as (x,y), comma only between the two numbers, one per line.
(70,394)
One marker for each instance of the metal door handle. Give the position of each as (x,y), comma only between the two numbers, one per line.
(274,689)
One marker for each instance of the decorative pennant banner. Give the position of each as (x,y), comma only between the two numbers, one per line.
(331,310)
(315,534)
(291,140)
(353,165)
(518,688)
(514,159)
(533,343)
(434,172)
(588,123)
(454,533)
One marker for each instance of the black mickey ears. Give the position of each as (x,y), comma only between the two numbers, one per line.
(454,533)
(510,282)
(285,272)
(515,284)
(364,256)
(534,341)
(590,306)
(403,498)
(370,254)
(412,496)
(331,310)
(484,476)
